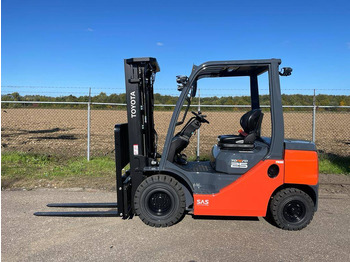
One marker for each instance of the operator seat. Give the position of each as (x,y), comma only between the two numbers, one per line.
(251,124)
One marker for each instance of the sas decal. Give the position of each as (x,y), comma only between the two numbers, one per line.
(202,202)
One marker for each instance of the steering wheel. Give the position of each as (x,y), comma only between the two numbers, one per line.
(200,117)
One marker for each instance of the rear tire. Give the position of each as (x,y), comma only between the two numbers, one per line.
(291,209)
(159,201)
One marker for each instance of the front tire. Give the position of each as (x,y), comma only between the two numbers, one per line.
(159,201)
(291,209)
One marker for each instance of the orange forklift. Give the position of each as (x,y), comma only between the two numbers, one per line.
(248,175)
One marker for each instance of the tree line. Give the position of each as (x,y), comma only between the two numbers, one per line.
(295,99)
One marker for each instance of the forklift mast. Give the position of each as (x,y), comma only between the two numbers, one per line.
(136,141)
(139,79)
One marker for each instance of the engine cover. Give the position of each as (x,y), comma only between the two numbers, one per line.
(238,162)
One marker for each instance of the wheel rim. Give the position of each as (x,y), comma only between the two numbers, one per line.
(294,211)
(159,203)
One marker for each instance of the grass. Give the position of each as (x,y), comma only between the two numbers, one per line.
(33,170)
(333,164)
(26,168)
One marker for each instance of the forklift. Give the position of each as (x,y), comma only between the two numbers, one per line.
(249,175)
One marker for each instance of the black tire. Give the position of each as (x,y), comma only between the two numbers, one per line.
(159,201)
(269,218)
(291,209)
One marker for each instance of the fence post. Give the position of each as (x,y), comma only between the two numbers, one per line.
(199,130)
(88,126)
(314,117)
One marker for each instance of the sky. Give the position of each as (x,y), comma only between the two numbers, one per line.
(79,44)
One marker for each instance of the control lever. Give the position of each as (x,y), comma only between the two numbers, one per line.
(200,117)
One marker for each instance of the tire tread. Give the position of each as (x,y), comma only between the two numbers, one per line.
(278,198)
(176,186)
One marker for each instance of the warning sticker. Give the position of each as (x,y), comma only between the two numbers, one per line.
(136,150)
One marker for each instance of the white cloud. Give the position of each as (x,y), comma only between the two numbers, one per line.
(160,44)
(90,29)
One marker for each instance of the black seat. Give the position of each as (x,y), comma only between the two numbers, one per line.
(251,124)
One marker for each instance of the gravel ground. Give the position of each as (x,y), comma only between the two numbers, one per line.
(29,238)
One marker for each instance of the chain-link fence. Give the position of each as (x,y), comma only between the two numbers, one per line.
(83,128)
(64,131)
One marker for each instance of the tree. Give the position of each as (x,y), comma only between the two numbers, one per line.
(16,96)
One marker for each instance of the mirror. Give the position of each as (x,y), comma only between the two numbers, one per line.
(286,71)
(182,81)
